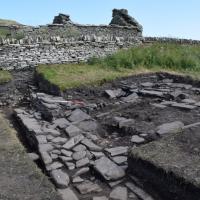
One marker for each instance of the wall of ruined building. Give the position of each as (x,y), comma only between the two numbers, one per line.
(23,56)
(56,44)
(75,32)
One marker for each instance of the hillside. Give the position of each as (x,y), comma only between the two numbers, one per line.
(8,22)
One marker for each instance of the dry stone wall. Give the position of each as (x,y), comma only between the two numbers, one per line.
(55,44)
(170,40)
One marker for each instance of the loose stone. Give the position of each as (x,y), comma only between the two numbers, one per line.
(137,139)
(60,178)
(79,155)
(108,169)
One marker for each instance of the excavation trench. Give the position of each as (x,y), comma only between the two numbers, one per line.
(93,129)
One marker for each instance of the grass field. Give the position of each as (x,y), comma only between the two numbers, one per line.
(152,58)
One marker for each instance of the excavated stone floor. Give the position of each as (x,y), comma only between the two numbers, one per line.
(83,138)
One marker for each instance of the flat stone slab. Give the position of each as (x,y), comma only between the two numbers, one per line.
(88,187)
(183,106)
(88,125)
(119,193)
(78,116)
(137,139)
(131,98)
(90,145)
(72,131)
(83,162)
(114,93)
(173,127)
(73,142)
(108,169)
(119,159)
(151,93)
(177,157)
(116,151)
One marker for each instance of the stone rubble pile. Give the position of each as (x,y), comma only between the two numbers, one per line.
(67,141)
(78,157)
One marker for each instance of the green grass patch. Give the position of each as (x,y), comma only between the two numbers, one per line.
(5,77)
(184,59)
(4,32)
(165,56)
(71,76)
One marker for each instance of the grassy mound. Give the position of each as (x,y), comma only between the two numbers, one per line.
(151,58)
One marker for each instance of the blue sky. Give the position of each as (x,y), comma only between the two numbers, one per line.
(172,18)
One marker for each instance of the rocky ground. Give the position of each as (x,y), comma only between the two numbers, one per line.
(83,139)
